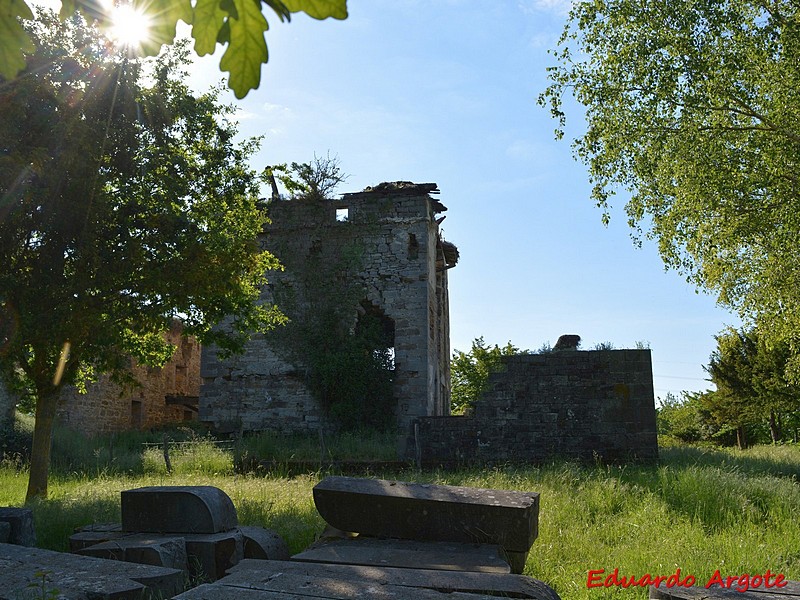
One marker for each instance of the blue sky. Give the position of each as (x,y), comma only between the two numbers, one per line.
(445,91)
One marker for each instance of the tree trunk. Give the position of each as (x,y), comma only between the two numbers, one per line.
(741,440)
(42,443)
(774,428)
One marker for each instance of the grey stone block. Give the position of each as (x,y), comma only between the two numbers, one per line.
(408,554)
(143,549)
(377,582)
(429,512)
(177,509)
(20,520)
(264,544)
(81,577)
(210,555)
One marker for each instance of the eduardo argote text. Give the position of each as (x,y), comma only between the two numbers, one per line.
(598,578)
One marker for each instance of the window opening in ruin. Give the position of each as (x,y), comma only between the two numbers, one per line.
(136,414)
(379,329)
(342,214)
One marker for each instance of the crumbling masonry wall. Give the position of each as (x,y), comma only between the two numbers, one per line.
(397,260)
(572,404)
(167,395)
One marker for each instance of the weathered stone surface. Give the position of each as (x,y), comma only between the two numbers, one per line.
(177,509)
(81,577)
(263,543)
(5,532)
(408,554)
(573,404)
(297,579)
(212,554)
(85,539)
(425,512)
(403,271)
(20,520)
(143,549)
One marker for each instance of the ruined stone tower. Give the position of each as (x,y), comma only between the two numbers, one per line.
(382,245)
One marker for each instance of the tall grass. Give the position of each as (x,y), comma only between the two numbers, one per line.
(697,510)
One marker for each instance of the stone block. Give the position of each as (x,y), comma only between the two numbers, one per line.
(85,539)
(143,549)
(408,554)
(5,532)
(425,512)
(177,509)
(20,521)
(210,555)
(355,581)
(81,577)
(264,544)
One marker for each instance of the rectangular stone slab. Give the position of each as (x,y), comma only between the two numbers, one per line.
(177,509)
(80,577)
(144,549)
(427,512)
(409,554)
(263,574)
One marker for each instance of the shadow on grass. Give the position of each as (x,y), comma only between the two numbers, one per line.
(56,520)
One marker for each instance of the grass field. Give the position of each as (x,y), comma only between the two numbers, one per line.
(697,511)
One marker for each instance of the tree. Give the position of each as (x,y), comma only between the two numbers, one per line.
(469,372)
(124,206)
(752,387)
(691,106)
(239,24)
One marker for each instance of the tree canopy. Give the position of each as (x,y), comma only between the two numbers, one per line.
(691,108)
(124,206)
(238,24)
(469,372)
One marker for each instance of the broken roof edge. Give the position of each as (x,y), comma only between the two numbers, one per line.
(396,188)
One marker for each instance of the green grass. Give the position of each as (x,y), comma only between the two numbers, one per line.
(698,510)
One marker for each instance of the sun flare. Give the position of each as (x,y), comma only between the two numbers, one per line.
(130,26)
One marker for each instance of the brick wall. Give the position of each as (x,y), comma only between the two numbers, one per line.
(573,404)
(106,407)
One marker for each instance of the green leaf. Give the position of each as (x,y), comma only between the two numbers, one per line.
(14,41)
(164,15)
(319,9)
(247,49)
(208,21)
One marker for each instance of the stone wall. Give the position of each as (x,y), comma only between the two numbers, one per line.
(388,244)
(167,395)
(572,404)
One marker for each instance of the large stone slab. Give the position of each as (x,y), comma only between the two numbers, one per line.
(27,571)
(177,509)
(426,512)
(97,533)
(409,554)
(263,543)
(143,549)
(20,520)
(291,579)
